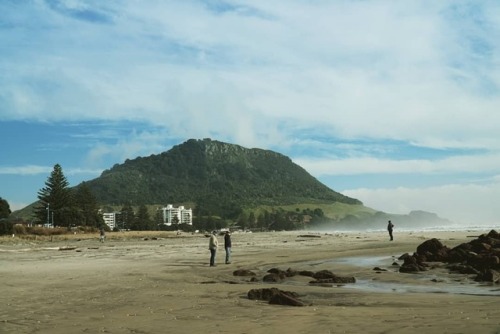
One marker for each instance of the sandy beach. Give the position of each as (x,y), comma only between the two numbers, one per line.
(163,284)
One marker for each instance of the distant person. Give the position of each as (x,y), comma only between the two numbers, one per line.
(213,244)
(102,234)
(227,246)
(390,226)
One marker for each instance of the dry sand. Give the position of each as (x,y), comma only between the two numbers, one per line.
(132,285)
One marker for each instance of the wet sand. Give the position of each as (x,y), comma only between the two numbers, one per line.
(133,284)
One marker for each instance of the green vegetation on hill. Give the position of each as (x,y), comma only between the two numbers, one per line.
(220,178)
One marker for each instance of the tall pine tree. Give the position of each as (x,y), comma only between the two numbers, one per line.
(55,200)
(142,220)
(88,207)
(4,208)
(127,217)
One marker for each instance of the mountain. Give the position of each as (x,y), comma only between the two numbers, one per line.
(212,172)
(221,179)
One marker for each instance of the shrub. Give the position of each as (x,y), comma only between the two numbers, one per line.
(5,227)
(19,229)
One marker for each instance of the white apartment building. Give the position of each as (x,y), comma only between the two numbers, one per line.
(110,219)
(184,216)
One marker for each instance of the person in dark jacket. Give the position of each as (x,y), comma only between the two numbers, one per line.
(227,246)
(390,226)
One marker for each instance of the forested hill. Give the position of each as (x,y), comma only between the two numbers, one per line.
(209,171)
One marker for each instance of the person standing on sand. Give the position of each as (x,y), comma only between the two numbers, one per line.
(102,235)
(390,226)
(227,246)
(213,243)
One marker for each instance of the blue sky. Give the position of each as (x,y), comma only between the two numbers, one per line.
(395,103)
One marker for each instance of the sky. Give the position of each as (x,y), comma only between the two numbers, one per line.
(395,103)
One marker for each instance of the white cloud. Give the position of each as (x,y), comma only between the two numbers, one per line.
(191,68)
(43,170)
(479,163)
(25,170)
(467,204)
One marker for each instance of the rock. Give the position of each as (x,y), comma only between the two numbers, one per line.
(404,256)
(433,250)
(306,273)
(480,256)
(274,278)
(262,294)
(334,280)
(493,234)
(483,262)
(243,272)
(276,271)
(463,269)
(275,296)
(322,274)
(489,275)
(285,299)
(379,269)
(411,265)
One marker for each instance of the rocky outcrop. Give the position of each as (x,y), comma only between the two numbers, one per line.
(480,257)
(433,251)
(276,296)
(243,272)
(326,276)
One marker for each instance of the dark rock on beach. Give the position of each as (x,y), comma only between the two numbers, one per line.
(334,280)
(243,272)
(433,250)
(306,273)
(326,276)
(488,275)
(412,264)
(322,274)
(276,296)
(480,257)
(274,277)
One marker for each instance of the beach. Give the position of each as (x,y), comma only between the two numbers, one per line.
(162,283)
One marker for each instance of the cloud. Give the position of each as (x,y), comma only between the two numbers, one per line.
(470,204)
(191,66)
(40,170)
(477,163)
(25,170)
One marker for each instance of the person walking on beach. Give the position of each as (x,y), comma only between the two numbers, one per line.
(102,235)
(213,244)
(390,226)
(227,246)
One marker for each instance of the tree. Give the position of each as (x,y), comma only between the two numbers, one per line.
(159,225)
(55,200)
(175,223)
(4,208)
(142,220)
(252,221)
(127,217)
(243,221)
(87,205)
(6,227)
